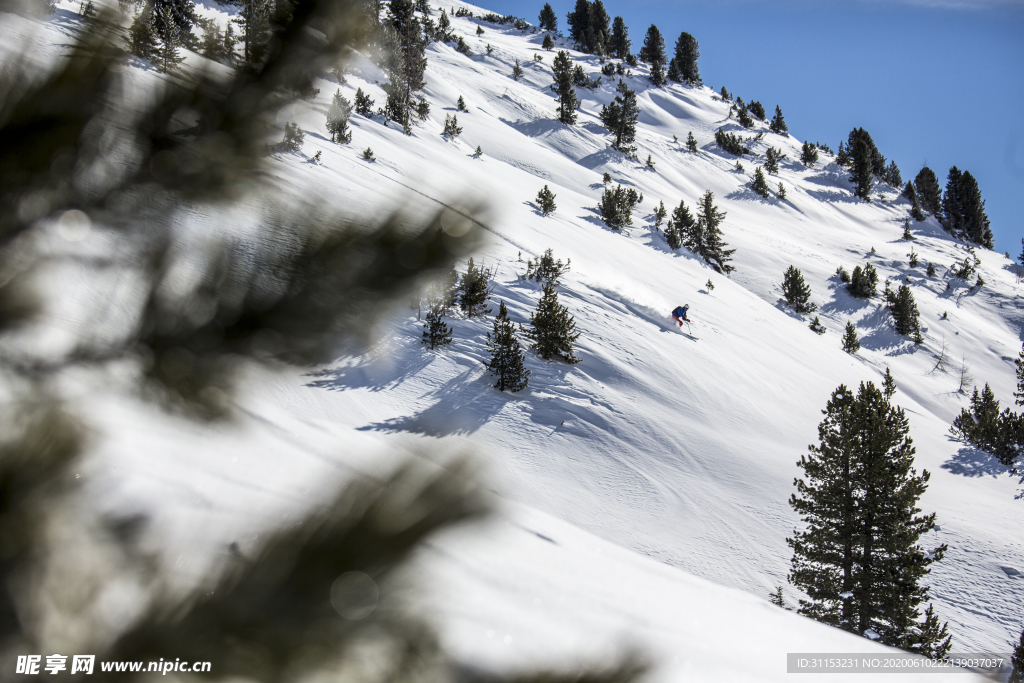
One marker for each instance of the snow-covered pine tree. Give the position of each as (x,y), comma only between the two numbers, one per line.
(691,143)
(888,384)
(452,129)
(567,101)
(546,201)
(713,251)
(758,183)
(797,292)
(659,214)
(808,154)
(778,122)
(507,355)
(337,119)
(851,344)
(858,559)
(476,290)
(363,103)
(620,118)
(517,71)
(546,269)
(436,331)
(552,329)
(817,327)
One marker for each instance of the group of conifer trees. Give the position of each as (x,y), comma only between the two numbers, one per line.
(552,329)
(703,235)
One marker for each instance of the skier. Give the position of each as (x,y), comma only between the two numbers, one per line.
(679,315)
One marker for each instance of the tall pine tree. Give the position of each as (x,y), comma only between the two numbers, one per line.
(687,54)
(620,118)
(707,235)
(796,291)
(567,102)
(552,329)
(548,20)
(928,191)
(507,355)
(778,122)
(858,559)
(619,43)
(436,331)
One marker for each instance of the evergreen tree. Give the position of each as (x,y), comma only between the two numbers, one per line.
(858,559)
(907,235)
(517,71)
(851,344)
(1017,661)
(808,154)
(904,313)
(172,22)
(567,101)
(142,41)
(653,50)
(778,123)
(620,118)
(928,191)
(931,269)
(730,143)
(475,290)
(506,354)
(681,228)
(964,210)
(757,109)
(617,206)
(553,329)
(337,119)
(674,74)
(796,291)
(743,116)
(598,34)
(771,163)
(710,245)
(877,161)
(915,205)
(548,20)
(888,384)
(892,175)
(817,327)
(460,104)
(687,54)
(436,331)
(452,129)
(462,47)
(549,43)
(444,28)
(659,214)
(364,105)
(658,76)
(293,138)
(546,201)
(579,20)
(691,143)
(619,43)
(546,269)
(863,282)
(980,426)
(758,184)
(861,169)
(782,191)
(842,156)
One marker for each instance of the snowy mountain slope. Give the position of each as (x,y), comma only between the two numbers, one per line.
(678,449)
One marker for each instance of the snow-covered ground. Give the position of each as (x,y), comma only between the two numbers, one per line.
(645,490)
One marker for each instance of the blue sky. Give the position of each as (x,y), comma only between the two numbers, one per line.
(935,82)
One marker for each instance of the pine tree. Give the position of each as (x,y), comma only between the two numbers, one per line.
(743,116)
(142,41)
(757,109)
(553,330)
(778,123)
(444,28)
(506,354)
(659,214)
(808,154)
(877,161)
(476,290)
(691,143)
(687,54)
(771,162)
(436,332)
(460,105)
(548,43)
(337,119)
(681,227)
(758,184)
(928,191)
(368,154)
(620,118)
(931,269)
(619,43)
(863,282)
(546,201)
(172,22)
(796,291)
(547,20)
(711,248)
(858,559)
(546,269)
(517,71)
(782,192)
(462,47)
(579,21)
(892,175)
(658,76)
(817,327)
(293,138)
(888,384)
(653,50)
(851,344)
(1017,661)
(364,105)
(452,129)
(915,205)
(842,156)
(964,210)
(861,169)
(907,235)
(617,206)
(567,101)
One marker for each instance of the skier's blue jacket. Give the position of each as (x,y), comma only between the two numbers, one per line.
(680,312)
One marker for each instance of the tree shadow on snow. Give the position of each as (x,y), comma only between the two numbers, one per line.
(974,462)
(600,158)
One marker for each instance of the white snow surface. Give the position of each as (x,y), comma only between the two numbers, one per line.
(643,491)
